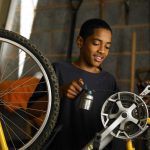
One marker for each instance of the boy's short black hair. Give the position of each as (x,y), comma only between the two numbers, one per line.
(88,27)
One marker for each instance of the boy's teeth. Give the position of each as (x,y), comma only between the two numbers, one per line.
(98,58)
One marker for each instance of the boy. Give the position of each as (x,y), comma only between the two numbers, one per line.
(79,126)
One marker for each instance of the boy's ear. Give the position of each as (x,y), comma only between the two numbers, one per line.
(79,41)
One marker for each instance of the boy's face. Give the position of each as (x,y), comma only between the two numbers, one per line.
(95,48)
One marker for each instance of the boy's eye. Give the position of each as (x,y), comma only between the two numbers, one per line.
(96,43)
(107,46)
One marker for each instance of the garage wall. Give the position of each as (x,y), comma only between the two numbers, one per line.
(52,24)
(4,7)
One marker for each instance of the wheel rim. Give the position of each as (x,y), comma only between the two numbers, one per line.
(23,143)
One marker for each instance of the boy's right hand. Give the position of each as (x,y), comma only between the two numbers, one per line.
(72,89)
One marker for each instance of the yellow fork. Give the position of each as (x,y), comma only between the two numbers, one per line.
(130,145)
(148,121)
(129,142)
(3,144)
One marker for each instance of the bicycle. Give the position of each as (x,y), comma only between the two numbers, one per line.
(29,102)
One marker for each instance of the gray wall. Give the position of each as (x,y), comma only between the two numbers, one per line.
(52,23)
(4,7)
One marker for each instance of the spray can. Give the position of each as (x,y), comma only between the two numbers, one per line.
(86,99)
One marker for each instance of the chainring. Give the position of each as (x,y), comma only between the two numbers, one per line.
(135,124)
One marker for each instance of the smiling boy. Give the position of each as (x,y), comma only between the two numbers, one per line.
(79,126)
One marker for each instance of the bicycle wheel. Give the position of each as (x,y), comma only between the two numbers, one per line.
(29,99)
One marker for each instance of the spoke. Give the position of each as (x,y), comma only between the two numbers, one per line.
(133,106)
(16,87)
(134,120)
(135,97)
(4,67)
(9,106)
(37,110)
(22,117)
(112,116)
(29,85)
(17,126)
(120,106)
(144,119)
(12,73)
(3,71)
(105,124)
(35,101)
(122,125)
(119,95)
(12,132)
(23,92)
(118,133)
(29,114)
(33,84)
(112,100)
(106,116)
(140,126)
(32,115)
(126,135)
(6,127)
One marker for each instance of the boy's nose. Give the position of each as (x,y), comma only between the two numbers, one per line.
(101,49)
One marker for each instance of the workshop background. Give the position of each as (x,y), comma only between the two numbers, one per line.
(52,26)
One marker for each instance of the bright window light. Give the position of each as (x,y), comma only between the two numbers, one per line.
(27,15)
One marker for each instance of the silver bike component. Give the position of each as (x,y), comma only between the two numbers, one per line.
(137,112)
(101,144)
(109,129)
(105,135)
(86,100)
(103,138)
(145,91)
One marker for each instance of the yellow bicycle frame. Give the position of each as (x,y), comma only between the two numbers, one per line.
(129,145)
(3,144)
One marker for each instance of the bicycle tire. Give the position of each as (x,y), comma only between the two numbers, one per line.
(45,130)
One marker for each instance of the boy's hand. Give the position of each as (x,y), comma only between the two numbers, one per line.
(73,89)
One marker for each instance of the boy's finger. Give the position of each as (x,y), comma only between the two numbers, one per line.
(77,86)
(81,81)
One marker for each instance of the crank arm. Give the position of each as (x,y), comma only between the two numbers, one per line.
(145,91)
(109,129)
